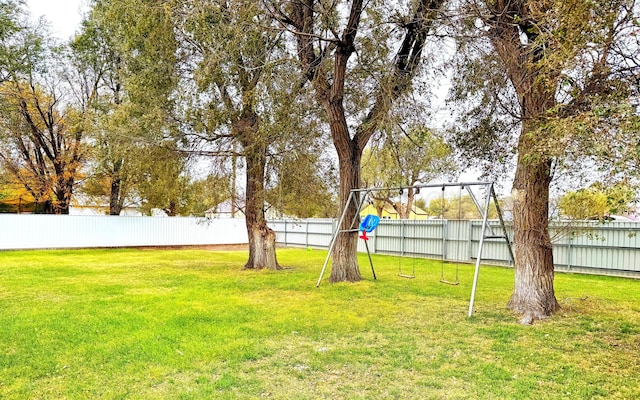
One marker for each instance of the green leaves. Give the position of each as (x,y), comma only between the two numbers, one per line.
(598,201)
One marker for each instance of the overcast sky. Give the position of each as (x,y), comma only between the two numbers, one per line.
(64,16)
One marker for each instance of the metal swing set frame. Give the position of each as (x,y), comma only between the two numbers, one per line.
(357,198)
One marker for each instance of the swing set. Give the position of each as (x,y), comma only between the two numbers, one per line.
(368,224)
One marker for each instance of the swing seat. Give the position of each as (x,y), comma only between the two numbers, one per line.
(368,224)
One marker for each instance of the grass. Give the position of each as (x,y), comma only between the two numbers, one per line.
(189,324)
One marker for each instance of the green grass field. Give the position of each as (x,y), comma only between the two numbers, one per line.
(158,324)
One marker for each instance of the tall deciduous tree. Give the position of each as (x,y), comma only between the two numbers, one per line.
(131,57)
(100,69)
(344,46)
(41,133)
(241,98)
(41,145)
(568,67)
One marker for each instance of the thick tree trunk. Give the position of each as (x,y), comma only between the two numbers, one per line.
(345,260)
(47,207)
(63,197)
(345,251)
(533,296)
(262,239)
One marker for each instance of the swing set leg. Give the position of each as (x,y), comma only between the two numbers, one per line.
(366,244)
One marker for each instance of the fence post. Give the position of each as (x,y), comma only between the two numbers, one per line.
(375,240)
(444,239)
(286,243)
(569,250)
(470,241)
(402,231)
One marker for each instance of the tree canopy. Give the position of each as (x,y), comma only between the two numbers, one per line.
(404,159)
(597,202)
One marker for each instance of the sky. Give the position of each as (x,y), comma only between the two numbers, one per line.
(64,16)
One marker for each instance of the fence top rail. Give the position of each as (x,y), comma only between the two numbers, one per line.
(421,186)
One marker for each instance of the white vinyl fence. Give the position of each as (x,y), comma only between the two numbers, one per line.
(612,248)
(31,231)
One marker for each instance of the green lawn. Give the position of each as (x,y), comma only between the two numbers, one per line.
(156,324)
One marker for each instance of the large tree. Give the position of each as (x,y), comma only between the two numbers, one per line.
(239,99)
(345,49)
(567,68)
(41,131)
(131,60)
(100,69)
(41,144)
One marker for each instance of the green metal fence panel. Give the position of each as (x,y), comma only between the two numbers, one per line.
(587,247)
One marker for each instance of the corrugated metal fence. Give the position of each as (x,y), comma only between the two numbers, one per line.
(611,248)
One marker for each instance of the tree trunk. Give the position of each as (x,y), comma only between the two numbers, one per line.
(533,296)
(115,205)
(116,200)
(47,207)
(349,150)
(262,239)
(379,209)
(171,209)
(404,210)
(344,255)
(63,191)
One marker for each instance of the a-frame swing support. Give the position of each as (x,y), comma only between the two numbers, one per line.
(505,236)
(358,202)
(358,196)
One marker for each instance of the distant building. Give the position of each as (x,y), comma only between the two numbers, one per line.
(388,212)
(86,205)
(227,209)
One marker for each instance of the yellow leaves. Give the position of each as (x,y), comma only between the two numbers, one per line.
(584,204)
(13,192)
(45,153)
(597,201)
(36,107)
